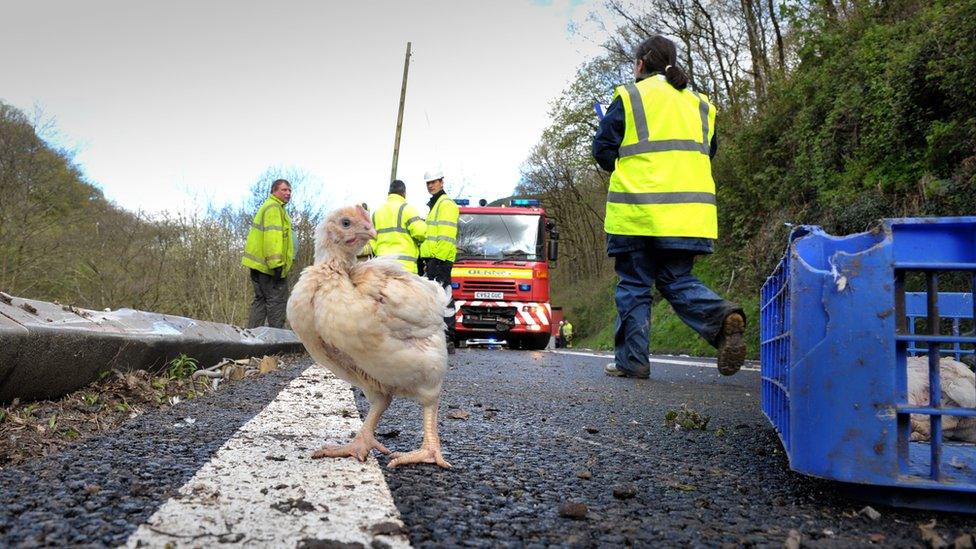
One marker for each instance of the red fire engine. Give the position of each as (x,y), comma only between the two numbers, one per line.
(501,274)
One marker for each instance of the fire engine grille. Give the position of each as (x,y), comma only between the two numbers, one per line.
(488,317)
(488,286)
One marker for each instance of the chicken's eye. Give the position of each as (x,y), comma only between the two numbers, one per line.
(346,223)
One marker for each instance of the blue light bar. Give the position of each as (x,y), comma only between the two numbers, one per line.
(455,285)
(462,201)
(525,287)
(525,202)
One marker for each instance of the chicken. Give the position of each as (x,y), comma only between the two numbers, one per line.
(374,325)
(958,391)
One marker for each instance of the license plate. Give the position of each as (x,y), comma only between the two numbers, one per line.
(489,295)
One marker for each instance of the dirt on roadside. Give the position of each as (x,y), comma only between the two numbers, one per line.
(36,429)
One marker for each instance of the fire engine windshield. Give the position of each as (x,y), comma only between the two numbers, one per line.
(498,236)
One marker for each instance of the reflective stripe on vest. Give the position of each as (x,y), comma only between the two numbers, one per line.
(399,228)
(662,183)
(400,258)
(442,238)
(395,241)
(660,198)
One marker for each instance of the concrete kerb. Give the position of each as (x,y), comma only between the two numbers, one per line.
(48,350)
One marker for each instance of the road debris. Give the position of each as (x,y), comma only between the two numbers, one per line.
(185,422)
(793,540)
(458,414)
(573,510)
(686,419)
(930,537)
(624,491)
(233,370)
(870,513)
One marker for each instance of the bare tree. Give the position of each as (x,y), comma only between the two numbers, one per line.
(780,52)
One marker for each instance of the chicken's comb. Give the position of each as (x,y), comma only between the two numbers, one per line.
(362,213)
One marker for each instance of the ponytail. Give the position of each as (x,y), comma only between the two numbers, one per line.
(676,77)
(660,55)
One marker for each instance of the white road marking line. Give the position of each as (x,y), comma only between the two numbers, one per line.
(262,489)
(659,360)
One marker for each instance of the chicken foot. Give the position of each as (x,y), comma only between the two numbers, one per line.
(430,449)
(364,441)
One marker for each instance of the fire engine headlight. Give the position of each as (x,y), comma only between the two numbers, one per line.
(525,287)
(529,308)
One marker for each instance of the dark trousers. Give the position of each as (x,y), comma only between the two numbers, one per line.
(670,271)
(440,271)
(270,301)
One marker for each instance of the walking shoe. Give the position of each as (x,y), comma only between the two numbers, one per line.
(450,347)
(612,370)
(731,346)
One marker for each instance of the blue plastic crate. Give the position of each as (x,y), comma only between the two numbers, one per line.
(836,324)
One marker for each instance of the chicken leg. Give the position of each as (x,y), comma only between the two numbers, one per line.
(364,441)
(430,449)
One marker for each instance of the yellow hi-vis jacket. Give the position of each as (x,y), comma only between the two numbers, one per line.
(269,242)
(399,229)
(662,183)
(442,220)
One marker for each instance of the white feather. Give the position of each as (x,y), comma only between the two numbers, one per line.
(958,390)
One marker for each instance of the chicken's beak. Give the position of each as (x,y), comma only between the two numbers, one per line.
(369,232)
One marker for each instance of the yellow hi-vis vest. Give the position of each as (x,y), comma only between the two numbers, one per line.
(662,182)
(269,242)
(398,230)
(442,220)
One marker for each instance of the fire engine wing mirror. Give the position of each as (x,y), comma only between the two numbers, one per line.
(553,245)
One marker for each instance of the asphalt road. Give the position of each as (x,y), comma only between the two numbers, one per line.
(540,421)
(542,430)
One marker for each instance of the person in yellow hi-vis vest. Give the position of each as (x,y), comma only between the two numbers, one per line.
(399,229)
(269,253)
(439,249)
(657,139)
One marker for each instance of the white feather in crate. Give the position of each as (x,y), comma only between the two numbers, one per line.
(958,391)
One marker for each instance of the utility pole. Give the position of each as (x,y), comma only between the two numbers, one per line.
(399,126)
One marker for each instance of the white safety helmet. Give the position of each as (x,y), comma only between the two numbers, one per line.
(433,175)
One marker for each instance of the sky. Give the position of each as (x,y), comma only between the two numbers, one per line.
(174,105)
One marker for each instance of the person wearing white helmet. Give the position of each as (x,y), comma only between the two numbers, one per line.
(439,248)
